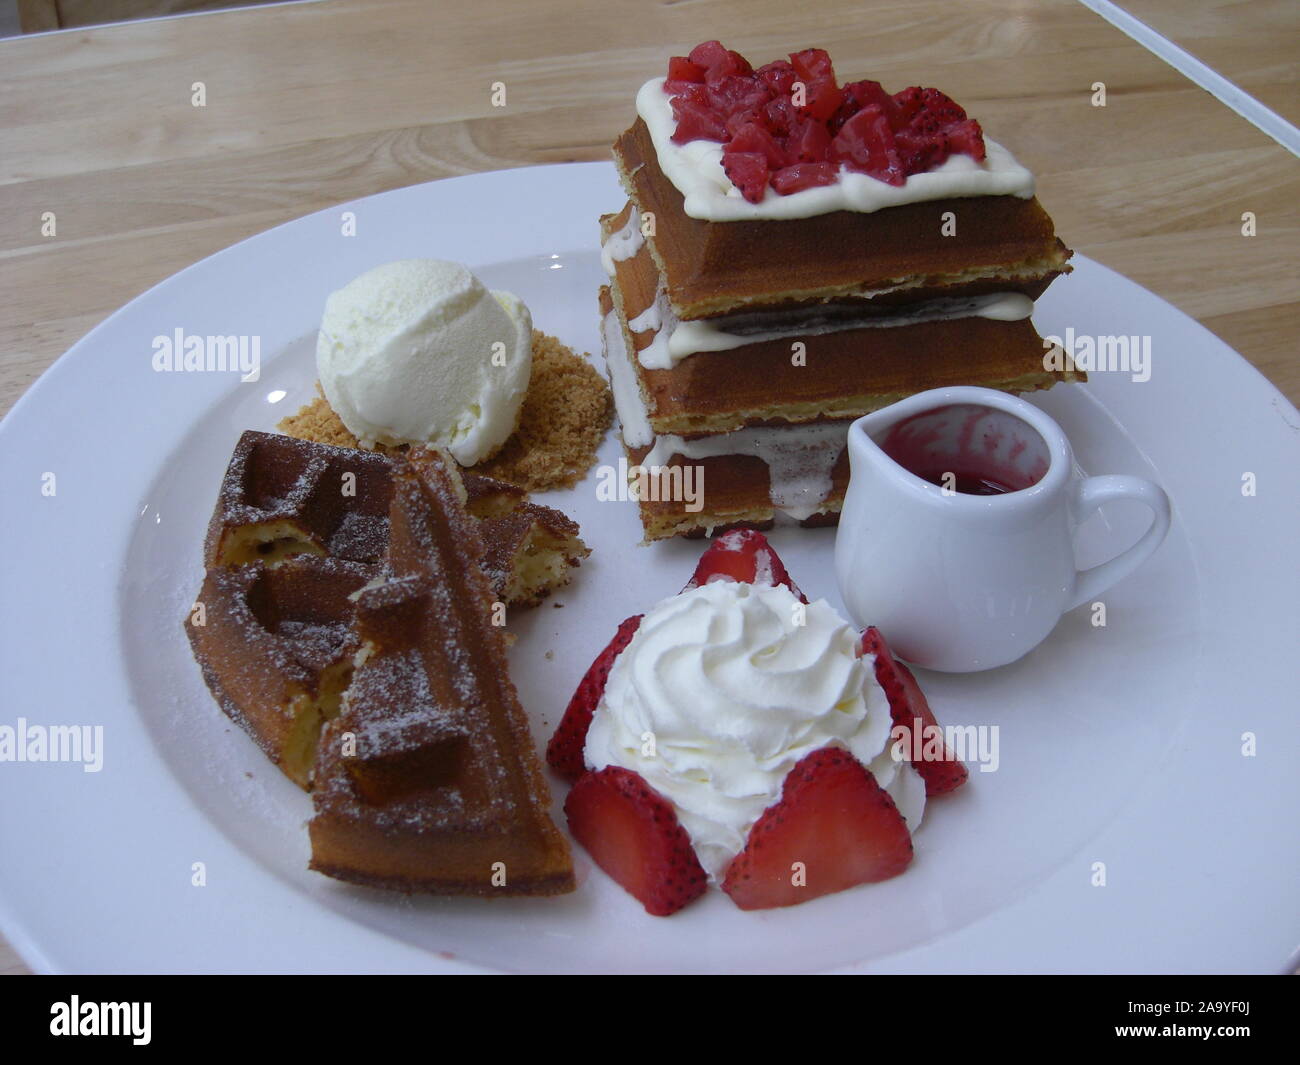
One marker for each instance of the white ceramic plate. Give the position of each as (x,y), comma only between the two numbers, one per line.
(1120,745)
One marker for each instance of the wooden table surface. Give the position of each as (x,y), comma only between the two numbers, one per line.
(308,105)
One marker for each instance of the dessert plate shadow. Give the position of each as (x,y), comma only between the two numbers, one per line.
(1122,829)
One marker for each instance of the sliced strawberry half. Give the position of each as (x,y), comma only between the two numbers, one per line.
(564,752)
(833,828)
(632,832)
(742,555)
(907,707)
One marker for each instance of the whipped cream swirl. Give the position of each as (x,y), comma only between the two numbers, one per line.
(723,689)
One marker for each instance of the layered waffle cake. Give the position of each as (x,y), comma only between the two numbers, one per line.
(349,625)
(794,254)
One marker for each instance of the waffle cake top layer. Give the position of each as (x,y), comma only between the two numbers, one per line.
(842,375)
(428,780)
(712,268)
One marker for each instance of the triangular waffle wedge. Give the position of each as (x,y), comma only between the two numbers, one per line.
(428,780)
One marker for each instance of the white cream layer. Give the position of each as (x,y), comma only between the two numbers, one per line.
(623,243)
(799,458)
(623,383)
(676,339)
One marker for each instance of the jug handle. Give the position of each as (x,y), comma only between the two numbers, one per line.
(1091,493)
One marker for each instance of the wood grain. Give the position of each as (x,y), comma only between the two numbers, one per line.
(310,105)
(40,15)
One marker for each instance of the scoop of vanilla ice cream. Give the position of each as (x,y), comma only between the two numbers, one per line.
(419,351)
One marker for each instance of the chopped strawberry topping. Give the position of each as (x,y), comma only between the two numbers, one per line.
(807,142)
(782,118)
(860,94)
(564,752)
(834,827)
(909,709)
(735,94)
(938,111)
(916,151)
(813,64)
(791,113)
(822,97)
(907,105)
(632,833)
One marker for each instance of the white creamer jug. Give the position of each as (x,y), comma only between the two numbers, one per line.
(956,534)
